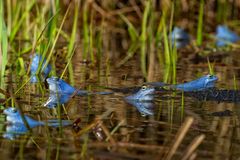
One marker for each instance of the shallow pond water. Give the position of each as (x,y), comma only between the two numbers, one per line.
(134,135)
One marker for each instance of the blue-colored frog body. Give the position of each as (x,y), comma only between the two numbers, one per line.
(36,60)
(225,36)
(205,82)
(179,37)
(59,86)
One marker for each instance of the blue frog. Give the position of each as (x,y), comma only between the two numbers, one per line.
(179,37)
(225,36)
(36,60)
(13,117)
(146,93)
(204,82)
(59,86)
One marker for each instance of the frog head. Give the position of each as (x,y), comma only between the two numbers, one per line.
(144,94)
(209,80)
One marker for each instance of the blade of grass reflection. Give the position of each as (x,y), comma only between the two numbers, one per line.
(58,151)
(95,122)
(107,133)
(182,106)
(192,146)
(179,137)
(23,144)
(116,128)
(235,82)
(85,146)
(34,142)
(24,84)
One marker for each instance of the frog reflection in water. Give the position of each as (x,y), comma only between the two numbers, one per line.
(142,100)
(57,99)
(15,130)
(13,117)
(202,83)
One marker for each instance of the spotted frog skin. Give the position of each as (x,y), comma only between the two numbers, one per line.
(146,93)
(13,117)
(205,82)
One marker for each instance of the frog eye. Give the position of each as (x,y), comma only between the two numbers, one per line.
(144,87)
(14,110)
(210,76)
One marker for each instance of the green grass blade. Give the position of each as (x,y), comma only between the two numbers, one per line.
(19,22)
(143,38)
(200,23)
(3,45)
(72,41)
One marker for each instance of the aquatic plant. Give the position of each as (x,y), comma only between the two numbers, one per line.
(3,46)
(200,23)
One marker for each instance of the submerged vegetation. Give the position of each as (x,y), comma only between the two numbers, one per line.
(96,44)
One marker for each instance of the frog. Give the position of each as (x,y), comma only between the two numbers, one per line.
(36,60)
(225,36)
(179,38)
(202,83)
(205,82)
(59,86)
(146,93)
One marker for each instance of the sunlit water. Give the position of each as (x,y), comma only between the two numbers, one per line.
(139,136)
